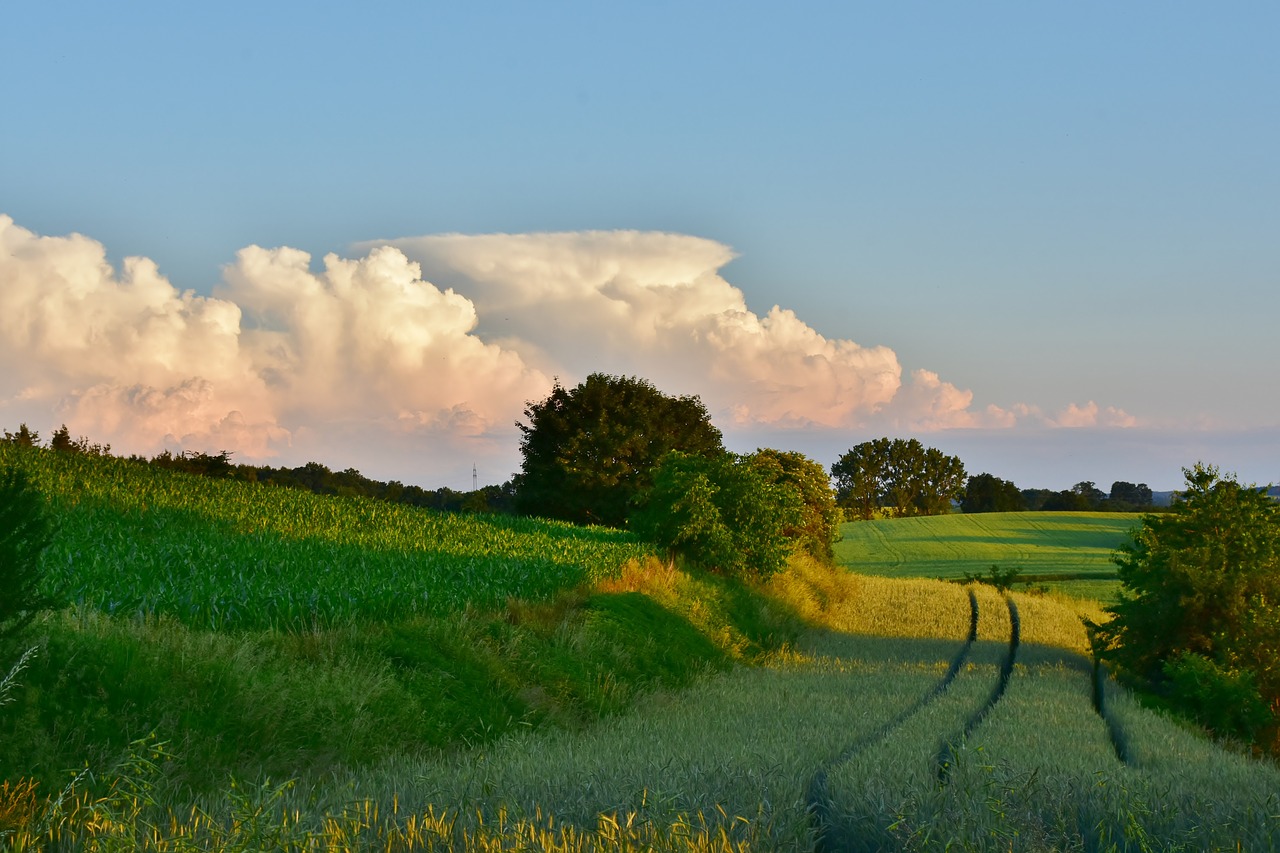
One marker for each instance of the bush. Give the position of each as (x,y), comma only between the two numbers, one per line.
(720,513)
(820,518)
(1225,701)
(25,531)
(1001,579)
(1197,620)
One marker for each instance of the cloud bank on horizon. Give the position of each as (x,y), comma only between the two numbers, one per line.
(430,346)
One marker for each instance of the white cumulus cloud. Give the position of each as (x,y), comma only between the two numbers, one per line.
(346,358)
(654,304)
(419,354)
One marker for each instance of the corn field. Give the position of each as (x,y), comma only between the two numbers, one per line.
(219,554)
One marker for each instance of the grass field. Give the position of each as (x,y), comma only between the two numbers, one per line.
(731,763)
(1065,551)
(571,692)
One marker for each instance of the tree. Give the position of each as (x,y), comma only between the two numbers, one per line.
(815,531)
(1127,496)
(24,437)
(1197,620)
(25,531)
(861,477)
(899,474)
(590,451)
(988,493)
(721,512)
(1091,496)
(62,442)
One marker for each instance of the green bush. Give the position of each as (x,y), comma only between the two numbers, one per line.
(1197,610)
(721,513)
(1222,700)
(25,531)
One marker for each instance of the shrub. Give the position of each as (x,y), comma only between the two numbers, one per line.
(721,513)
(1197,611)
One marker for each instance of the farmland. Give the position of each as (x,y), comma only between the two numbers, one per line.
(1067,551)
(219,554)
(567,692)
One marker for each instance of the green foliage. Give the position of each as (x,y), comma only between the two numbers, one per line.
(1203,580)
(1130,497)
(900,474)
(24,437)
(590,451)
(1002,579)
(988,493)
(1221,700)
(25,532)
(820,518)
(721,512)
(62,442)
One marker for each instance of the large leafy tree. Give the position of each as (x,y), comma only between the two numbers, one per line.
(988,493)
(589,451)
(819,520)
(1198,620)
(722,512)
(901,475)
(1125,495)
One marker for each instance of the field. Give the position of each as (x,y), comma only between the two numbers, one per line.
(1065,551)
(219,554)
(620,704)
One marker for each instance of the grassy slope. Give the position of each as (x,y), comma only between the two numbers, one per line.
(414,631)
(1070,551)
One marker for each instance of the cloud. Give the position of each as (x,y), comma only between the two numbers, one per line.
(1090,415)
(655,305)
(419,355)
(280,357)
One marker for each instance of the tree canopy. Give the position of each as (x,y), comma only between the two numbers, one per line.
(590,451)
(900,475)
(815,530)
(1198,620)
(722,512)
(988,493)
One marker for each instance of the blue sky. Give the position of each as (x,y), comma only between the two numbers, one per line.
(1046,206)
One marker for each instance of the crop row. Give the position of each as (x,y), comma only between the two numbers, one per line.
(221,554)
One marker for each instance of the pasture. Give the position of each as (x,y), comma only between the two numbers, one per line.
(1068,552)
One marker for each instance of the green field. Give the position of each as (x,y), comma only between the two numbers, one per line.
(1066,551)
(223,554)
(562,689)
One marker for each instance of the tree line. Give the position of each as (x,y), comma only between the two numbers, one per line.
(312,477)
(901,477)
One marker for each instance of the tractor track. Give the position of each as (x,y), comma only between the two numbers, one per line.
(817,794)
(946,752)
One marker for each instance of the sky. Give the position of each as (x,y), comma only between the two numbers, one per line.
(1042,237)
